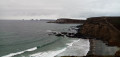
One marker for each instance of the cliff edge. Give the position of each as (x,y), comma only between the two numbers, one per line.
(105,28)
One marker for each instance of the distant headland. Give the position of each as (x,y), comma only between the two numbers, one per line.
(67,20)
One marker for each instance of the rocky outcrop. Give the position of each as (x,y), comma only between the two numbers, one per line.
(67,20)
(105,28)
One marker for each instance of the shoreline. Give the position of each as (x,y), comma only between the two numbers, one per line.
(77,49)
(105,29)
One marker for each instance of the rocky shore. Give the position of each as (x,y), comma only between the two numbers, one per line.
(106,29)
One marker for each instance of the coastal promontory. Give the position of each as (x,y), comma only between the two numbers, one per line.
(105,28)
(68,21)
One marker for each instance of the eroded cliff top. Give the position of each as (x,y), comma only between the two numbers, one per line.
(114,20)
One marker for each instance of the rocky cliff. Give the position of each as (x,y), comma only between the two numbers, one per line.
(105,28)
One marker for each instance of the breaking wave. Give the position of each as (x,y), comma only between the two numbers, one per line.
(13,54)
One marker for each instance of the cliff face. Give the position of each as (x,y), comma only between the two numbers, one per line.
(105,28)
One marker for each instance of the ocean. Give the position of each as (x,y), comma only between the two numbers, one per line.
(27,38)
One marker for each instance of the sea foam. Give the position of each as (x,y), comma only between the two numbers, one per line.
(13,54)
(53,53)
(47,53)
(77,48)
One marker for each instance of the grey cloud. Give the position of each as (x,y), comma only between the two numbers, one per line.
(59,8)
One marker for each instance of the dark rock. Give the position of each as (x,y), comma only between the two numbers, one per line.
(65,33)
(79,26)
(59,35)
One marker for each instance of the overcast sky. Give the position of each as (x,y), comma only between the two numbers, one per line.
(53,9)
